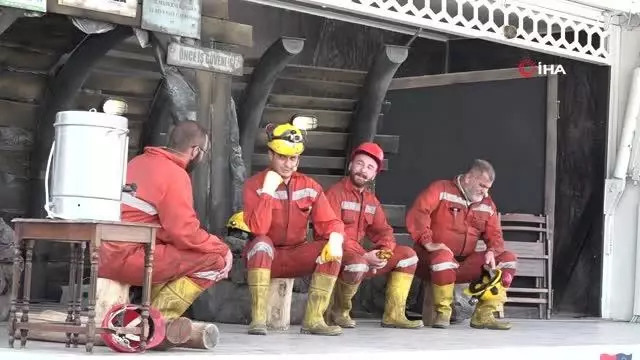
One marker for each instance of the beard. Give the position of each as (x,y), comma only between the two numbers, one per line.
(359,180)
(193,164)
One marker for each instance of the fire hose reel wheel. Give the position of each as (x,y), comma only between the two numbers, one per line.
(128,316)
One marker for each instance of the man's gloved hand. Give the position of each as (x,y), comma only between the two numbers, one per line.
(271,182)
(228,263)
(374,261)
(333,250)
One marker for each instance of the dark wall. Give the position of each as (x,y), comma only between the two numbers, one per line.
(442,129)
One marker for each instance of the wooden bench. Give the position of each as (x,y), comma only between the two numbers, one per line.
(527,236)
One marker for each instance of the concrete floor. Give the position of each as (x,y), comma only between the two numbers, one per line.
(529,339)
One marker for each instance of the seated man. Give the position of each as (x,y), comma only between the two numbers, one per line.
(278,204)
(362,215)
(187,259)
(446,221)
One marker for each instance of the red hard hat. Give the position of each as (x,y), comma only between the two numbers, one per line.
(371,149)
(130,316)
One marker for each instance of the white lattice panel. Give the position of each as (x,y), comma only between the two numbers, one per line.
(540,29)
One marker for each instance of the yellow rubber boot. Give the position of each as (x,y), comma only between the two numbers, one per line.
(484,315)
(394,316)
(259,281)
(342,295)
(442,299)
(320,291)
(173,298)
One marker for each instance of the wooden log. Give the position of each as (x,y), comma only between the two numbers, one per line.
(21,86)
(109,82)
(109,293)
(428,312)
(279,305)
(203,336)
(317,88)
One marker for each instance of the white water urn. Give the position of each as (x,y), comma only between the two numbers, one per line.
(87,166)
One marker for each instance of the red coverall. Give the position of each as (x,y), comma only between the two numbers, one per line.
(442,214)
(182,247)
(280,227)
(362,215)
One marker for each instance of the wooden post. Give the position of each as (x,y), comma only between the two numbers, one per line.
(279,305)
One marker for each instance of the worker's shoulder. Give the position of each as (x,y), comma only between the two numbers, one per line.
(307,181)
(438,185)
(338,187)
(255,180)
(159,168)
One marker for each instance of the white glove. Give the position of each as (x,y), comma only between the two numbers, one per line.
(271,182)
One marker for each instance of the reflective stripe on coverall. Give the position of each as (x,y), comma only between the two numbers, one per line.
(362,216)
(442,214)
(279,224)
(186,259)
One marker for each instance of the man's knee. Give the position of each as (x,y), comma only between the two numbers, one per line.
(209,271)
(443,267)
(407,259)
(507,261)
(260,252)
(354,268)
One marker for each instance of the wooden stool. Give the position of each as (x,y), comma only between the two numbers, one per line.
(78,233)
(279,305)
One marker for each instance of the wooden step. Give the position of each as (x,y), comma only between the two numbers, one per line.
(16,57)
(19,114)
(135,105)
(317,73)
(15,163)
(316,88)
(337,141)
(395,215)
(318,162)
(14,191)
(134,67)
(307,102)
(121,85)
(327,119)
(31,86)
(323,73)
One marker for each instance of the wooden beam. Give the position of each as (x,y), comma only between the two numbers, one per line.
(325,74)
(456,78)
(215,8)
(327,119)
(55,8)
(224,31)
(14,190)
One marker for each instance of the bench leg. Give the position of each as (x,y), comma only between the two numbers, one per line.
(279,304)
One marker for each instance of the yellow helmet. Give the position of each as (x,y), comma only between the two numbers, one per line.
(488,288)
(285,139)
(236,221)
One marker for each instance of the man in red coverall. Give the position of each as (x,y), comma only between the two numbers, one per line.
(187,259)
(278,204)
(446,221)
(362,216)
